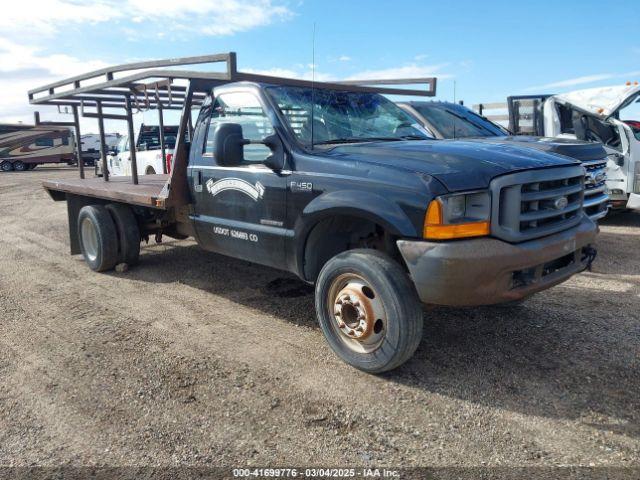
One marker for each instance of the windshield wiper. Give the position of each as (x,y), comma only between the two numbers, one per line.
(414,137)
(361,140)
(370,139)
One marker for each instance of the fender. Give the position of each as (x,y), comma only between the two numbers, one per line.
(366,205)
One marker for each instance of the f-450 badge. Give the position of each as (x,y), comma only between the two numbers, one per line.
(301,186)
(256,191)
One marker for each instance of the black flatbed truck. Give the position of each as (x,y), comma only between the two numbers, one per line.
(335,183)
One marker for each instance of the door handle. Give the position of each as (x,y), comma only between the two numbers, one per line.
(197,181)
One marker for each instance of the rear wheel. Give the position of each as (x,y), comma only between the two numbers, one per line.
(19,166)
(368,310)
(128,233)
(150,171)
(6,166)
(98,237)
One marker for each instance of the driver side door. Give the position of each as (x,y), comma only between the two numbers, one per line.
(238,210)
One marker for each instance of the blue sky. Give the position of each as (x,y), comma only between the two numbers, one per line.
(490,49)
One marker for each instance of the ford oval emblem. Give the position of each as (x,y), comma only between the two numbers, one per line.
(560,203)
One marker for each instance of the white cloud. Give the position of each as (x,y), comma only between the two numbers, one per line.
(36,18)
(45,17)
(23,68)
(571,82)
(420,57)
(307,74)
(15,58)
(412,70)
(27,63)
(630,76)
(586,79)
(274,72)
(344,58)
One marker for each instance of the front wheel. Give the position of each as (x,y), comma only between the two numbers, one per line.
(368,310)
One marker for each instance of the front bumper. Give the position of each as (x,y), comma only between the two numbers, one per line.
(486,271)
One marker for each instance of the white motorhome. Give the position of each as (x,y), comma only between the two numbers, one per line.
(90,146)
(609,115)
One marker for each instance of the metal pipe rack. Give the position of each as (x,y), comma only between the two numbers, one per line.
(150,85)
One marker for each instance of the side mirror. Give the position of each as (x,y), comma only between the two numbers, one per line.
(275,161)
(142,147)
(228,144)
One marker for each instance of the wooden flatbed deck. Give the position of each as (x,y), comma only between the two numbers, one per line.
(148,192)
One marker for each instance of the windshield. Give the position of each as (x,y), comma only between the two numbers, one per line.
(343,116)
(458,122)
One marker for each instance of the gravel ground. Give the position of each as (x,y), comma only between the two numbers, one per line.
(195,359)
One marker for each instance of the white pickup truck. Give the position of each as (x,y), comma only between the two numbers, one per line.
(605,114)
(148,154)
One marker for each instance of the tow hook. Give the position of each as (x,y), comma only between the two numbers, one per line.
(590,255)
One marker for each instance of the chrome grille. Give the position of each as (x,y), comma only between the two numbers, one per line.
(595,195)
(536,203)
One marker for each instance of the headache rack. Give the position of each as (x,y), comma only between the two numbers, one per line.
(151,85)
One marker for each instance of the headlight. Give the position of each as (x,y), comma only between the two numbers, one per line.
(458,215)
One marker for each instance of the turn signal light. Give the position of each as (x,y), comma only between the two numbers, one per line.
(435,229)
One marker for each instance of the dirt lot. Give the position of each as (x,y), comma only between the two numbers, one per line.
(193,358)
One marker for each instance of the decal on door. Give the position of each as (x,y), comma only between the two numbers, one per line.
(254,191)
(238,234)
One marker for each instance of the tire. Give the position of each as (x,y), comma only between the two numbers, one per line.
(19,166)
(150,171)
(392,327)
(6,166)
(128,233)
(98,238)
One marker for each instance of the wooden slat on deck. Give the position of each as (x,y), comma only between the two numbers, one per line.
(120,189)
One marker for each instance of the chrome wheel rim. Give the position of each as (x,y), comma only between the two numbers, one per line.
(358,315)
(89,239)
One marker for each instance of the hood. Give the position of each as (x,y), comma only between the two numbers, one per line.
(600,101)
(458,164)
(576,149)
